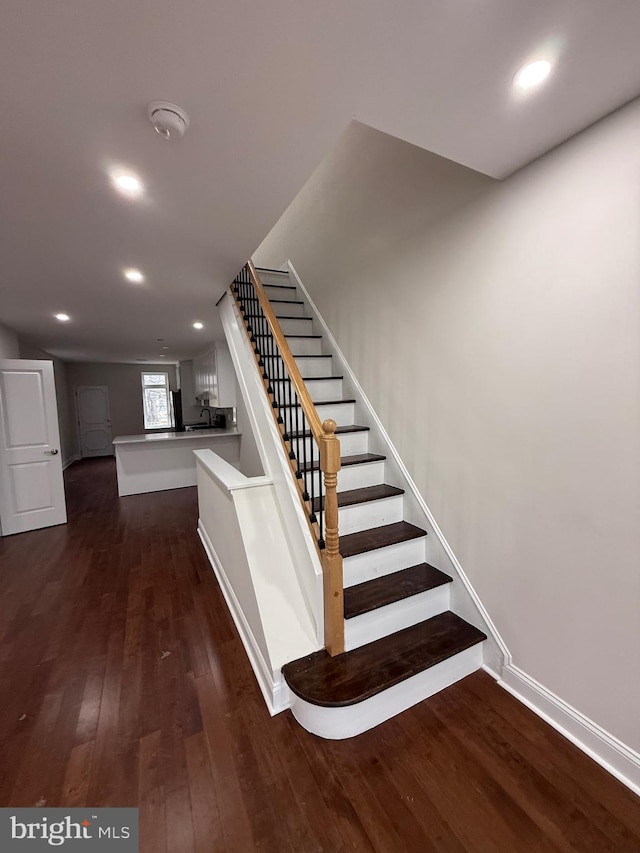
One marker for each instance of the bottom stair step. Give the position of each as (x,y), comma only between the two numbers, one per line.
(358,675)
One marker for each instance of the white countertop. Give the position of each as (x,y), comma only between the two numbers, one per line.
(150,437)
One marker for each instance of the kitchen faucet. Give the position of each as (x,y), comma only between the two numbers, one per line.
(208,411)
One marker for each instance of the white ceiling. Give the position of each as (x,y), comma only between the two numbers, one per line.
(269,88)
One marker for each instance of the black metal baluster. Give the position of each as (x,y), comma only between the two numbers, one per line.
(312,515)
(296,426)
(305,495)
(298,458)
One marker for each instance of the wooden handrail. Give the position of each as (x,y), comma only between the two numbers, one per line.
(293,370)
(329,447)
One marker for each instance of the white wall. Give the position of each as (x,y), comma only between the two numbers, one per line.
(500,345)
(9,347)
(125,389)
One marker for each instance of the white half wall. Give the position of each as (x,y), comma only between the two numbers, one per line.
(250,552)
(496,330)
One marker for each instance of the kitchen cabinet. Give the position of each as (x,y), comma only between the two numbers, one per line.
(214,378)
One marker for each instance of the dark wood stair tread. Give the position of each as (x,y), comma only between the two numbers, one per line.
(321,378)
(317,403)
(304,355)
(354,676)
(268,269)
(281,286)
(379,537)
(363,495)
(289,317)
(341,430)
(286,301)
(367,596)
(345,461)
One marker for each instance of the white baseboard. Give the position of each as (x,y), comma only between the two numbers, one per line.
(75,458)
(617,758)
(273,686)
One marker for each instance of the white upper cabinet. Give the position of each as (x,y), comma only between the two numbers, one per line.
(214,378)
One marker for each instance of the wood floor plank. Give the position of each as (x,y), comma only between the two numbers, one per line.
(76,781)
(207,822)
(123,682)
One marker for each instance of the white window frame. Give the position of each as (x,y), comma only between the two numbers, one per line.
(164,387)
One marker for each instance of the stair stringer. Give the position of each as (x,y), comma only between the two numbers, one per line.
(464,601)
(276,466)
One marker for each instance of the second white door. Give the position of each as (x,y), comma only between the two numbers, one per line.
(94,420)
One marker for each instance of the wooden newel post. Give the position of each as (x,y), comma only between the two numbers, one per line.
(331,558)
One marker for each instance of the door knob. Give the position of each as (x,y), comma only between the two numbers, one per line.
(53,452)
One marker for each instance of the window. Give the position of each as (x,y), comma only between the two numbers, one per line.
(155,401)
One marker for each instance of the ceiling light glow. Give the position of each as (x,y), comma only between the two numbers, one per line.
(198,325)
(134,275)
(62,317)
(128,184)
(532,74)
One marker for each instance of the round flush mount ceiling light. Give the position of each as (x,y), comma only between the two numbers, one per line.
(198,325)
(128,184)
(169,120)
(532,74)
(134,275)
(64,318)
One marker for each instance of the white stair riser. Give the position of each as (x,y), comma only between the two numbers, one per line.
(275,292)
(352,477)
(351,444)
(344,414)
(304,346)
(364,516)
(340,723)
(322,389)
(287,308)
(383,561)
(394,617)
(274,277)
(296,326)
(309,366)
(341,413)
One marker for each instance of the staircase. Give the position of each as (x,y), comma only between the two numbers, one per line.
(402,642)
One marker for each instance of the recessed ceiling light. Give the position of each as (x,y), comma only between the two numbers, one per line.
(165,347)
(134,275)
(162,355)
(128,184)
(532,74)
(198,325)
(62,317)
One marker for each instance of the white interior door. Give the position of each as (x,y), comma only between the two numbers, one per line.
(94,420)
(31,484)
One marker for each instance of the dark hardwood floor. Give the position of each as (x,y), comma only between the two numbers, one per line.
(123,682)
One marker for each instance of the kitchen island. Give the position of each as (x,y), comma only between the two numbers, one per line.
(164,460)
